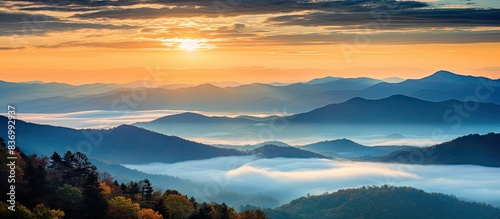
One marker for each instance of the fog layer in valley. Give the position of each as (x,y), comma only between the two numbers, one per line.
(366,134)
(287,178)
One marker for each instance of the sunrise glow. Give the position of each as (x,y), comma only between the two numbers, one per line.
(189,45)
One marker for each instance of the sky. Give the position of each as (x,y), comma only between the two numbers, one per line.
(188,41)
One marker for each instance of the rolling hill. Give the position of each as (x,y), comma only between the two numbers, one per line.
(399,109)
(123,144)
(348,148)
(472,149)
(384,202)
(273,151)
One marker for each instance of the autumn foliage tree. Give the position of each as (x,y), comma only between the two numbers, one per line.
(69,186)
(121,207)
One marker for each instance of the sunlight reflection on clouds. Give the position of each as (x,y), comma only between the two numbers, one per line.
(290,178)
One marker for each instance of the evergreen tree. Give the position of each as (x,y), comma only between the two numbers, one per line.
(36,176)
(160,207)
(146,189)
(94,204)
(56,158)
(69,158)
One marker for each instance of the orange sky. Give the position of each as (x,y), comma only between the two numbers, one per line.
(244,44)
(285,64)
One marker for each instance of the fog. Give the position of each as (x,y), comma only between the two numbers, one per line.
(105,118)
(293,134)
(287,178)
(300,134)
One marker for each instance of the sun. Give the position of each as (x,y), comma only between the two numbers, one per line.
(189,45)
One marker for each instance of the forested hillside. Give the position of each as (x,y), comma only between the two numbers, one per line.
(70,186)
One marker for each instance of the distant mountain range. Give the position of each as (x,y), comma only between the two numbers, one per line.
(396,110)
(249,147)
(348,148)
(17,92)
(474,149)
(399,109)
(273,151)
(338,148)
(257,97)
(382,202)
(127,144)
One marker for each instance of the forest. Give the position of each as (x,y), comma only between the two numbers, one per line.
(70,186)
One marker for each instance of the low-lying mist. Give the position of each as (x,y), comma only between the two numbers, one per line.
(287,178)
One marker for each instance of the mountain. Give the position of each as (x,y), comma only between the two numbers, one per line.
(323,80)
(273,151)
(193,125)
(196,118)
(348,148)
(440,86)
(400,109)
(386,202)
(256,97)
(15,92)
(446,84)
(249,147)
(123,144)
(472,149)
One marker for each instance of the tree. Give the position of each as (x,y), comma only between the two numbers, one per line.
(122,208)
(69,195)
(205,211)
(42,212)
(81,166)
(160,207)
(146,189)
(147,213)
(224,211)
(94,204)
(249,214)
(36,175)
(69,199)
(69,158)
(132,189)
(55,158)
(22,212)
(178,206)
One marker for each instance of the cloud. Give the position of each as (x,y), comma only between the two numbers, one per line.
(421,37)
(11,47)
(287,179)
(430,18)
(95,118)
(36,24)
(192,8)
(331,170)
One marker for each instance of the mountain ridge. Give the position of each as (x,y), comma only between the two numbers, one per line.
(122,144)
(473,149)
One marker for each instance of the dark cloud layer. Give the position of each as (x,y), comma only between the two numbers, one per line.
(429,37)
(334,16)
(402,19)
(196,8)
(29,24)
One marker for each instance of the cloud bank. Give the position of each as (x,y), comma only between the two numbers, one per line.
(287,179)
